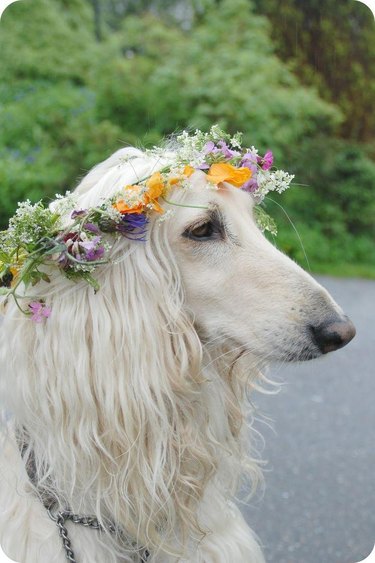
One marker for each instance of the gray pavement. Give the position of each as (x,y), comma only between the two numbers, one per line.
(319,500)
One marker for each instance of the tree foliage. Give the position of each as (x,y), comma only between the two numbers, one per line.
(72,92)
(331,45)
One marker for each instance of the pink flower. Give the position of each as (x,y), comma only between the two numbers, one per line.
(267,161)
(39,311)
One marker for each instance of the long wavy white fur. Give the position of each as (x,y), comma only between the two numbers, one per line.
(112,398)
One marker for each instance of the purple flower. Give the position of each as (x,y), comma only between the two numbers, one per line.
(208,147)
(249,160)
(79,246)
(39,311)
(267,161)
(250,186)
(226,151)
(92,228)
(78,213)
(92,249)
(133,226)
(251,165)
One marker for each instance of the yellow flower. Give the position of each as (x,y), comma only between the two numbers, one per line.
(188,171)
(14,271)
(223,172)
(155,185)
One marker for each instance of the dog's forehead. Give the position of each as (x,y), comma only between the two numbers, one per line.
(201,194)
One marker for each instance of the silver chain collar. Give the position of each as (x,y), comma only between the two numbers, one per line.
(90,522)
(60,517)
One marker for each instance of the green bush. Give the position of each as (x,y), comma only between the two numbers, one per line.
(67,102)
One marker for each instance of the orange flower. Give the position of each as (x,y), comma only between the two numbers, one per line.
(154,203)
(125,207)
(155,185)
(14,271)
(174,180)
(188,171)
(223,172)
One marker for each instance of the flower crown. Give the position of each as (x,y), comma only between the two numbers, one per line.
(38,236)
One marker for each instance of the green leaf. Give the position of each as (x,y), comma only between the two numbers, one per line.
(92,281)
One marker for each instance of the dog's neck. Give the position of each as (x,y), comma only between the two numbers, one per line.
(58,516)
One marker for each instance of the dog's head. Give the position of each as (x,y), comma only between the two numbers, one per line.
(236,287)
(241,289)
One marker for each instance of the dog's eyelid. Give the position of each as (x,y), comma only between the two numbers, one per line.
(199,221)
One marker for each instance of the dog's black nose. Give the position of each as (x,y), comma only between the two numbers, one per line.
(334,334)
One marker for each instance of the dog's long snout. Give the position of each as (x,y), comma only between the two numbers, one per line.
(333,334)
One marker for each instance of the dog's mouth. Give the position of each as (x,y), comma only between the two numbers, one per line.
(321,338)
(313,341)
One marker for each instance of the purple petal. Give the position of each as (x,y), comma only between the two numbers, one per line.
(133,226)
(46,312)
(35,306)
(90,244)
(39,311)
(267,161)
(78,213)
(226,151)
(95,254)
(250,186)
(92,228)
(249,160)
(208,147)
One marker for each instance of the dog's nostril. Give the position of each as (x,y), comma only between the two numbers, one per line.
(333,335)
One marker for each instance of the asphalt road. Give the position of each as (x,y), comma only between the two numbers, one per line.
(319,500)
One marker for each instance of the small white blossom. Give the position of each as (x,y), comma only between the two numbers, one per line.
(65,203)
(277,181)
(236,141)
(112,213)
(166,215)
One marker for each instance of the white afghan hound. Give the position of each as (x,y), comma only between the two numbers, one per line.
(129,405)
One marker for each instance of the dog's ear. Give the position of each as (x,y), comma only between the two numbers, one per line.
(109,389)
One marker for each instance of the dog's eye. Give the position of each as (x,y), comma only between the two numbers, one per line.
(205,231)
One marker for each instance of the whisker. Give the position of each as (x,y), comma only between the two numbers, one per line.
(294,228)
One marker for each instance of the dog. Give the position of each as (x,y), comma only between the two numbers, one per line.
(129,404)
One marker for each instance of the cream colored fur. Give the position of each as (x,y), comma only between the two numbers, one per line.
(134,400)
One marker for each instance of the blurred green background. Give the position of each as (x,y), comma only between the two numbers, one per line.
(81,78)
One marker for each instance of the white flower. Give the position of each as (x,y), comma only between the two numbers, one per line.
(277,181)
(166,215)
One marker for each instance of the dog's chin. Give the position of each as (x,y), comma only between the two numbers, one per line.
(304,355)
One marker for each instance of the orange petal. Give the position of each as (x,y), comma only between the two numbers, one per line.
(154,203)
(173,181)
(123,207)
(188,171)
(155,185)
(157,207)
(224,172)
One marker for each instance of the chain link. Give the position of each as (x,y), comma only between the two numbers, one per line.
(90,522)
